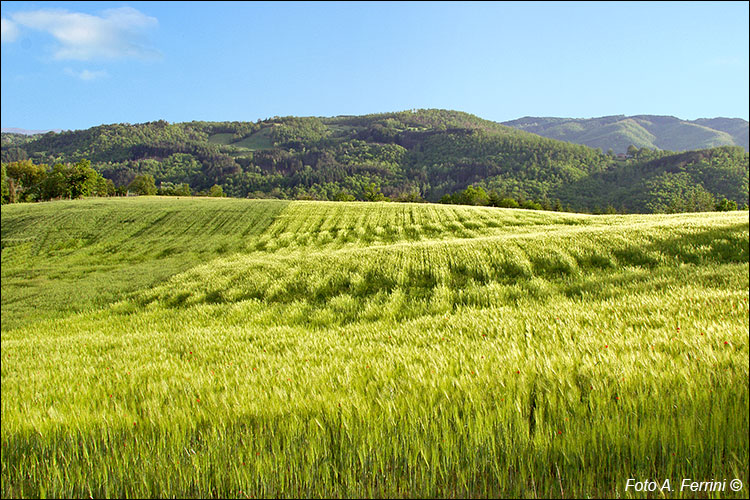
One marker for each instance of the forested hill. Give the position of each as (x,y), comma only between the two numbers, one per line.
(642,131)
(410,156)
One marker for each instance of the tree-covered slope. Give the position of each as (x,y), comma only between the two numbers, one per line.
(409,156)
(678,182)
(642,131)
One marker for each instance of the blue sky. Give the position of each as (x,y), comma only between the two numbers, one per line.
(73,65)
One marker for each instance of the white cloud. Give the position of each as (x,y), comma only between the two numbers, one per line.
(9,30)
(86,74)
(116,34)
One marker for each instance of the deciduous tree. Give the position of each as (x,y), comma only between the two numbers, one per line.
(143,184)
(24,178)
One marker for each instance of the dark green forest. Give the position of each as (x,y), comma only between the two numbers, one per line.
(419,155)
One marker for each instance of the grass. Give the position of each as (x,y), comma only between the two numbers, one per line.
(259,140)
(240,348)
(221,138)
(65,257)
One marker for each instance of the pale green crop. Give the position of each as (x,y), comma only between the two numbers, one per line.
(231,348)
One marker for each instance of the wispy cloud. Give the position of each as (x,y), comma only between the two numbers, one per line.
(117,33)
(86,74)
(9,31)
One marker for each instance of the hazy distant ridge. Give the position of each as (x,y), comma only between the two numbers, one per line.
(13,130)
(649,131)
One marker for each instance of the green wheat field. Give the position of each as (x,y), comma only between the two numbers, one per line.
(234,348)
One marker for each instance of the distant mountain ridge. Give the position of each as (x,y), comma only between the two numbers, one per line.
(22,131)
(618,132)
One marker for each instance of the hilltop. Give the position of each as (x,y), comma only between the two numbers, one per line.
(642,131)
(417,155)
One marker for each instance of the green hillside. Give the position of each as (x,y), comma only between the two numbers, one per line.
(642,131)
(93,252)
(735,127)
(222,348)
(418,155)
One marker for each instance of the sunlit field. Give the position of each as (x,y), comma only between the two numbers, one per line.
(247,348)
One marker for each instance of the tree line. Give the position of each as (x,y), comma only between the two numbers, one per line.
(477,196)
(25,181)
